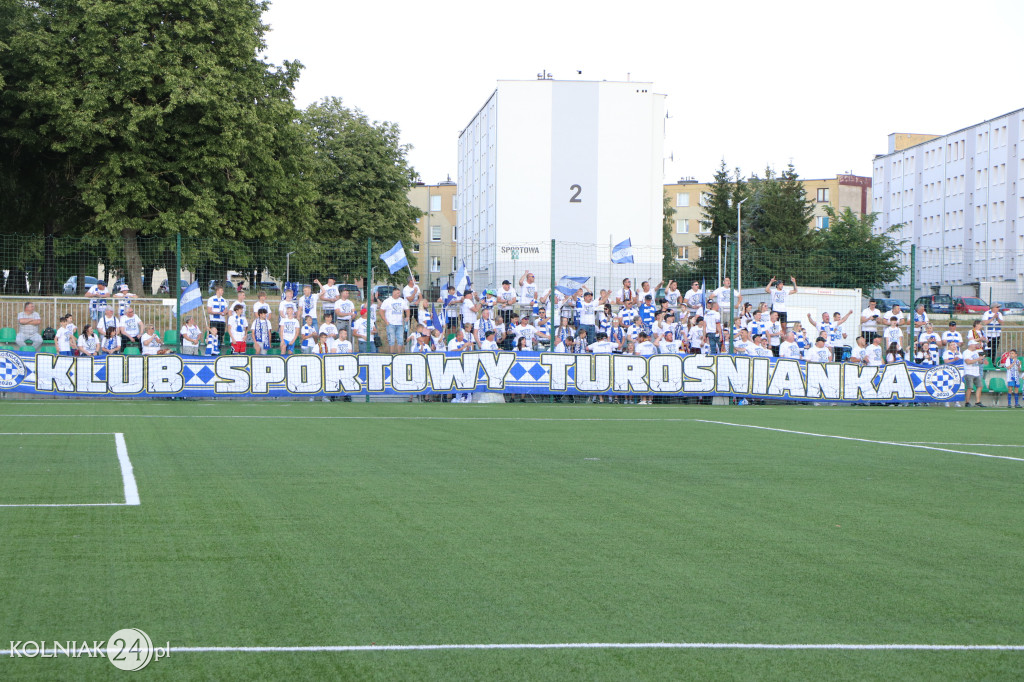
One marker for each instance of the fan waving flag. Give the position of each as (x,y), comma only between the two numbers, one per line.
(623,252)
(395,258)
(462,280)
(570,285)
(191,298)
(435,321)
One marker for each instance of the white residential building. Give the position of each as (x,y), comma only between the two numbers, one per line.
(959,199)
(580,162)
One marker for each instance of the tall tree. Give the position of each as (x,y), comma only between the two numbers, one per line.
(718,216)
(160,116)
(363,178)
(776,233)
(851,256)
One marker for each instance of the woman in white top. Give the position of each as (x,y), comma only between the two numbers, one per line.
(151,343)
(190,337)
(88,342)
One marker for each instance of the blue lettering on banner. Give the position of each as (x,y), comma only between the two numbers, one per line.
(185,376)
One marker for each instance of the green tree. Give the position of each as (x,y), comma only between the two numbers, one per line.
(363,179)
(718,217)
(777,236)
(160,119)
(851,256)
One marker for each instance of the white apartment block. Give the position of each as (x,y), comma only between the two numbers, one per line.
(959,199)
(580,162)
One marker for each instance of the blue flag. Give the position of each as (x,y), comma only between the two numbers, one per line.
(462,280)
(703,298)
(570,285)
(395,258)
(191,298)
(623,252)
(435,320)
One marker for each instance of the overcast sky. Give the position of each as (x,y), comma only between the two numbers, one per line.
(756,83)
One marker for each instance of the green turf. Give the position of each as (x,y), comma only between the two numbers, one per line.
(275,524)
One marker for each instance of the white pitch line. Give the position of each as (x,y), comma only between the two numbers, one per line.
(579,645)
(62,433)
(360,417)
(983,445)
(131,490)
(862,440)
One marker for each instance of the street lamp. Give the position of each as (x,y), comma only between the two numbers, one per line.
(287,269)
(739,246)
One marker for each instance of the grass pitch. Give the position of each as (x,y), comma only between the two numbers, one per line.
(311,524)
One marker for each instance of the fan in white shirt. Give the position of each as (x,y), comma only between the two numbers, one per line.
(861,352)
(669,344)
(819,352)
(789,348)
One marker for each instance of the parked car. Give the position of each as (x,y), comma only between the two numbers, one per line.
(71,286)
(382,291)
(938,303)
(354,292)
(966,305)
(1011,307)
(886,304)
(229,286)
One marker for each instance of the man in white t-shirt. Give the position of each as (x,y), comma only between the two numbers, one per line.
(713,327)
(723,294)
(696,336)
(876,353)
(470,309)
(819,352)
(626,294)
(151,344)
(973,359)
(692,300)
(952,336)
(893,334)
(97,294)
(130,328)
(743,345)
(993,321)
(328,295)
(669,344)
(869,318)
(588,316)
(789,348)
(778,296)
(507,300)
(528,295)
(396,313)
(411,293)
(344,311)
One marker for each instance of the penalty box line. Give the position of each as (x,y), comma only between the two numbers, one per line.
(131,488)
(862,440)
(581,645)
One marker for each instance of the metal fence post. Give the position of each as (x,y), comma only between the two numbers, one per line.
(551,337)
(177,305)
(367,288)
(913,308)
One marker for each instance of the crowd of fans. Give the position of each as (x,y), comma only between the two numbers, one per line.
(515,317)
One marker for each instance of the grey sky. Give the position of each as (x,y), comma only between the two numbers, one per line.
(818,83)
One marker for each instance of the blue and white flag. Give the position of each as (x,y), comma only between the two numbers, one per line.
(462,280)
(570,285)
(395,258)
(191,298)
(435,321)
(623,252)
(703,298)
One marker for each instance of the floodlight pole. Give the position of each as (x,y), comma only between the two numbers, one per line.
(287,269)
(739,246)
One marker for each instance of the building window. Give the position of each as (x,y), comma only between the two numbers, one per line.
(416,247)
(455,264)
(435,203)
(683,199)
(823,195)
(435,264)
(705,199)
(682,226)
(705,228)
(821,222)
(682,253)
(435,233)
(455,233)
(454,208)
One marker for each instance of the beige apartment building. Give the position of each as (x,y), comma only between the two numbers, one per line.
(437,232)
(687,197)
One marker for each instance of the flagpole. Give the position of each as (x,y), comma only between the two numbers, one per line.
(177,308)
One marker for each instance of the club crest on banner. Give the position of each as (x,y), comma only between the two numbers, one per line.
(12,369)
(942,383)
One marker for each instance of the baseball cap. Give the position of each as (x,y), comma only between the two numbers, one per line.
(591,293)
(124,287)
(506,282)
(952,323)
